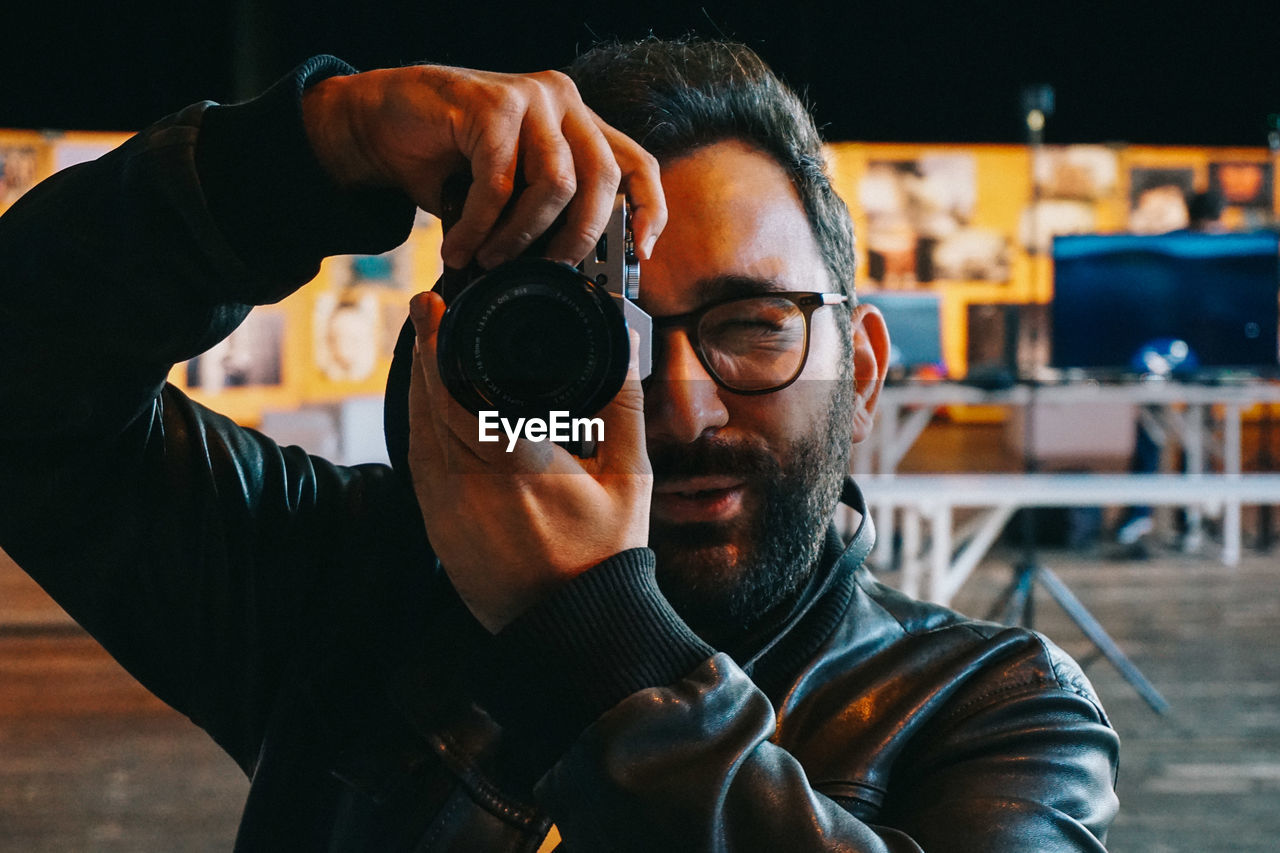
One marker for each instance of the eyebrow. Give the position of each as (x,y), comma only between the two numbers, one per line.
(730,285)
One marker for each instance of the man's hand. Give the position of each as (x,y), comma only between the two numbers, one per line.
(510,527)
(414,127)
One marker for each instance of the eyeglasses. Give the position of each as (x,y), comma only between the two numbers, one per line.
(752,344)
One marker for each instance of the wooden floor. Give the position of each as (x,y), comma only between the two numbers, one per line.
(90,762)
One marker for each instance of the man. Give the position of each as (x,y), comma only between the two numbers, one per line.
(1204,216)
(519,675)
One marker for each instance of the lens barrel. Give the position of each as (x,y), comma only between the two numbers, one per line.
(531,337)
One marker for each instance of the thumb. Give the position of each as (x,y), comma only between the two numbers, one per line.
(425,310)
(622,451)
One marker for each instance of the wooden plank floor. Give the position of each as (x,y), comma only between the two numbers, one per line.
(89,761)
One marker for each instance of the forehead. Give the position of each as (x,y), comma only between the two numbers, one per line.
(735,225)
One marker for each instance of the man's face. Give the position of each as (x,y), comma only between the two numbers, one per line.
(744,485)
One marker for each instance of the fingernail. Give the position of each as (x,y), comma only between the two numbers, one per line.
(647,249)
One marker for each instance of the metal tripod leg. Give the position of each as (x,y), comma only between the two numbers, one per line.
(1098,635)
(1015,607)
(1015,604)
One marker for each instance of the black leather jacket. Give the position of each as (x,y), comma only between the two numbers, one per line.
(294,610)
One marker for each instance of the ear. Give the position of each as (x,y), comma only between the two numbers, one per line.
(870,364)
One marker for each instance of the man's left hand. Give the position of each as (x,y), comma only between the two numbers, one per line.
(509,527)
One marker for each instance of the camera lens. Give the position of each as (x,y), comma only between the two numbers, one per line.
(532,337)
(518,353)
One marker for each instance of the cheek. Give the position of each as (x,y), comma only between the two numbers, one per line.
(785,416)
(826,354)
(795,411)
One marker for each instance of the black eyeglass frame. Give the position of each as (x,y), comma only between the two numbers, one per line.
(806,301)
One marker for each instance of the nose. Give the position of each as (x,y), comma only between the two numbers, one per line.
(682,401)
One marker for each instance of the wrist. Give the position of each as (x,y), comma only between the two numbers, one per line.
(327,118)
(603,636)
(277,205)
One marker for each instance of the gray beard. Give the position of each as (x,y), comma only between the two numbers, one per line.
(774,548)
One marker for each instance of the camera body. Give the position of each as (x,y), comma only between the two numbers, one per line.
(534,336)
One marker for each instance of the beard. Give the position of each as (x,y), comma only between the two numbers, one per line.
(724,578)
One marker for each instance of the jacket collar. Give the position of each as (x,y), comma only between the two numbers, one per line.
(770,657)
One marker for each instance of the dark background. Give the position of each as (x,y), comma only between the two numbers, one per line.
(1173,73)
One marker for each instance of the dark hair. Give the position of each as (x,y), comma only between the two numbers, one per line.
(1204,208)
(676,96)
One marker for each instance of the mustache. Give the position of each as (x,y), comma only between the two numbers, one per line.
(710,456)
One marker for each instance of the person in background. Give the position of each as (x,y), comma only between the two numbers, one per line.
(1204,216)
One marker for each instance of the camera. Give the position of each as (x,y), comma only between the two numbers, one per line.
(534,336)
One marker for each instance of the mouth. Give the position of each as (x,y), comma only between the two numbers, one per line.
(698,499)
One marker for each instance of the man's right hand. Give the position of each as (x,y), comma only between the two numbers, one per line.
(414,127)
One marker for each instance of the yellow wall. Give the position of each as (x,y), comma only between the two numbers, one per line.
(1004,191)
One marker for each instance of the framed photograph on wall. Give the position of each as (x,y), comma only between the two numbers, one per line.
(1247,190)
(253,370)
(920,223)
(75,147)
(251,356)
(1243,184)
(20,155)
(1158,198)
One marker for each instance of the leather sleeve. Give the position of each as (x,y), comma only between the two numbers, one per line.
(691,767)
(201,555)
(999,747)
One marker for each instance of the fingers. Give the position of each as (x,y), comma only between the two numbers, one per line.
(425,456)
(493,171)
(642,180)
(453,430)
(415,127)
(550,184)
(597,175)
(571,164)
(606,159)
